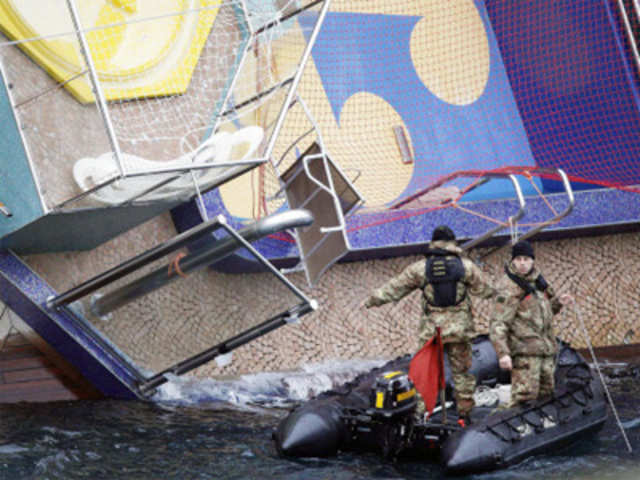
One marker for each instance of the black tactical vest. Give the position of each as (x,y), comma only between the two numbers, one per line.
(443,271)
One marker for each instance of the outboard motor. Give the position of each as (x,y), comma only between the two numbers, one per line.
(392,395)
(393,404)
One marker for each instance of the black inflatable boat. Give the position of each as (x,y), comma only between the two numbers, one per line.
(376,412)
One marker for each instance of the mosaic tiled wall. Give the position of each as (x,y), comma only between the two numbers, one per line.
(602,272)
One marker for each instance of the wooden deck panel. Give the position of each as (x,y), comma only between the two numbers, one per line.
(615,353)
(27,375)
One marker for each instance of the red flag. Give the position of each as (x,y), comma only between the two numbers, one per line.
(426,370)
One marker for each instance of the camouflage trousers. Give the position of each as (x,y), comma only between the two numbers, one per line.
(531,378)
(464,383)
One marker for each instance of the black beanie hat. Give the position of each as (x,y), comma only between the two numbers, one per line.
(522,248)
(443,233)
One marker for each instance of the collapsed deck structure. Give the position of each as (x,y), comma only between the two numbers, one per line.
(236,116)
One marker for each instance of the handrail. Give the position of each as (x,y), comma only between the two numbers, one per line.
(559,216)
(512,219)
(298,218)
(133,264)
(198,259)
(147,387)
(184,170)
(327,189)
(95,188)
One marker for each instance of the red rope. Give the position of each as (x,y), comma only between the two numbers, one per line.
(527,171)
(174,265)
(529,177)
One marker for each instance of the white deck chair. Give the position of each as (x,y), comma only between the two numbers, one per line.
(219,148)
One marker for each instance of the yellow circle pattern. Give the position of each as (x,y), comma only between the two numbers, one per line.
(134,56)
(450,51)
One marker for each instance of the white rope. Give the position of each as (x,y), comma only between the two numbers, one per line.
(201,206)
(576,310)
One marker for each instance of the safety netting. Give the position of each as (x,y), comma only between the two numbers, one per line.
(421,94)
(121,89)
(404,95)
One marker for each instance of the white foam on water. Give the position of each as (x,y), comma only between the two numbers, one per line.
(66,433)
(268,389)
(11,448)
(53,462)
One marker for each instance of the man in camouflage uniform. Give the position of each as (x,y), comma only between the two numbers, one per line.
(521,329)
(445,279)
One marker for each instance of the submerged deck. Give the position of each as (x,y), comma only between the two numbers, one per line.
(27,374)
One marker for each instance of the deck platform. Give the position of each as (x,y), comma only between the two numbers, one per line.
(28,374)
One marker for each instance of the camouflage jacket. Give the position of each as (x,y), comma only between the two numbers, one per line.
(456,322)
(522,325)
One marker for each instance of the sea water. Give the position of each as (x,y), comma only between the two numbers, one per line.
(205,429)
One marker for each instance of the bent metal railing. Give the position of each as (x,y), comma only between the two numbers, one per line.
(559,216)
(291,315)
(213,252)
(512,219)
(216,251)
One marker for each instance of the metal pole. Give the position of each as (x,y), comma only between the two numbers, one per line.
(100,101)
(245,10)
(132,264)
(296,80)
(245,243)
(561,215)
(476,241)
(629,30)
(199,259)
(225,347)
(5,210)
